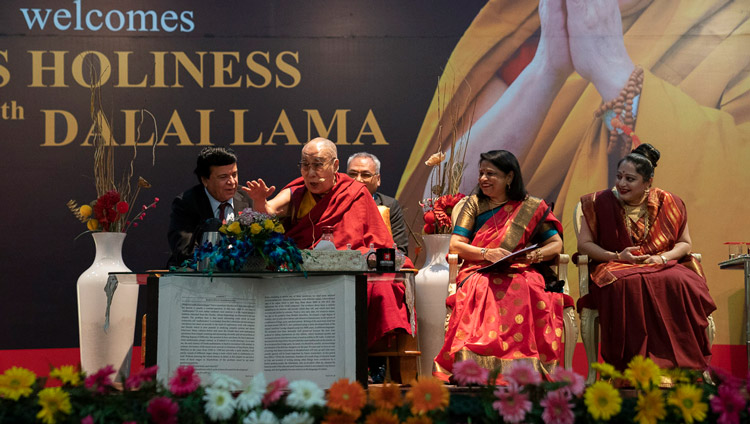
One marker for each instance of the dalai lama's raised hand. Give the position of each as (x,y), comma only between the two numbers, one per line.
(259,192)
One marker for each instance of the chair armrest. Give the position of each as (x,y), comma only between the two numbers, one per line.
(582,262)
(562,261)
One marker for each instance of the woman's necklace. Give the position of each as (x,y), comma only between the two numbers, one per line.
(633,213)
(495,205)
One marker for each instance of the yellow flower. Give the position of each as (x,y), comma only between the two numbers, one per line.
(16,382)
(53,400)
(606,370)
(92,224)
(435,159)
(650,407)
(268,224)
(676,375)
(67,374)
(643,372)
(234,228)
(255,228)
(602,400)
(85,211)
(279,228)
(223,229)
(687,398)
(427,394)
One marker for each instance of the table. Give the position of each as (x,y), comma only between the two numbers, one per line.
(742,262)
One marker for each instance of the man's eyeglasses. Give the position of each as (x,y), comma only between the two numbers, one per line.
(315,166)
(365,176)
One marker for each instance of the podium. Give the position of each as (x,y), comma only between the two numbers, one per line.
(309,326)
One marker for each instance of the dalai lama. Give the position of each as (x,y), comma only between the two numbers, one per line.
(323,197)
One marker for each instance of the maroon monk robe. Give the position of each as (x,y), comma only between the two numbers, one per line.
(350,209)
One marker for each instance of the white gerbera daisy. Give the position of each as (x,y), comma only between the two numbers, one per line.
(225,382)
(298,418)
(305,394)
(265,417)
(219,404)
(253,393)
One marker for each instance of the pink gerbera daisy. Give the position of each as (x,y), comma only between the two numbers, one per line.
(469,372)
(575,381)
(557,410)
(163,410)
(184,381)
(511,404)
(100,381)
(274,390)
(728,403)
(523,373)
(146,374)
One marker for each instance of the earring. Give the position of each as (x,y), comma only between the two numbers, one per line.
(508,185)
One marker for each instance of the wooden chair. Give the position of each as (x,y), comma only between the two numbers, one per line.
(400,349)
(590,331)
(570,332)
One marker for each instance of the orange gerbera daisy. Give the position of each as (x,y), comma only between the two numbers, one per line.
(427,394)
(338,418)
(419,419)
(382,416)
(346,396)
(387,396)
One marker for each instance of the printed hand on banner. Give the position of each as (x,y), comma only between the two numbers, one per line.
(554,47)
(597,46)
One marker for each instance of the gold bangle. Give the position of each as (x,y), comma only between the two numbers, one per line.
(536,256)
(663,259)
(617,255)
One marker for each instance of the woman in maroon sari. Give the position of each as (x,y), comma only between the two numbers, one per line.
(651,294)
(503,315)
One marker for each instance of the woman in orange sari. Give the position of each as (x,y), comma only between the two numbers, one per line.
(506,314)
(651,293)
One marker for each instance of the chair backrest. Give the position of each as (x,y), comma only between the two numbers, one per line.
(577,218)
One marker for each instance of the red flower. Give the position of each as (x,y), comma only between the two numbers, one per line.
(429,217)
(444,207)
(122,207)
(429,228)
(184,381)
(100,381)
(163,410)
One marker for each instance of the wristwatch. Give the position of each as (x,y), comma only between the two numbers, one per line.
(663,259)
(483,251)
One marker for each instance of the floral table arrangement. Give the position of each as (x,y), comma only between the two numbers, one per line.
(252,242)
(71,397)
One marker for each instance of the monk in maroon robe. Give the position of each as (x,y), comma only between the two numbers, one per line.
(322,197)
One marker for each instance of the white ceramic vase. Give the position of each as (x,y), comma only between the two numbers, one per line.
(431,290)
(100,348)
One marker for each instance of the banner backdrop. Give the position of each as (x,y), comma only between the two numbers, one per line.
(263,77)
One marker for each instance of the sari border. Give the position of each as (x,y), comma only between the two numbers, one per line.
(520,222)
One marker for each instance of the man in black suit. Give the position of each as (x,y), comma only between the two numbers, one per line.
(214,200)
(365,168)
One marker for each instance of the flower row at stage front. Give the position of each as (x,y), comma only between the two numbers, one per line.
(519,395)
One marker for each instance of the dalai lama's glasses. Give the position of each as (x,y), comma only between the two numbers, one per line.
(365,176)
(315,166)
